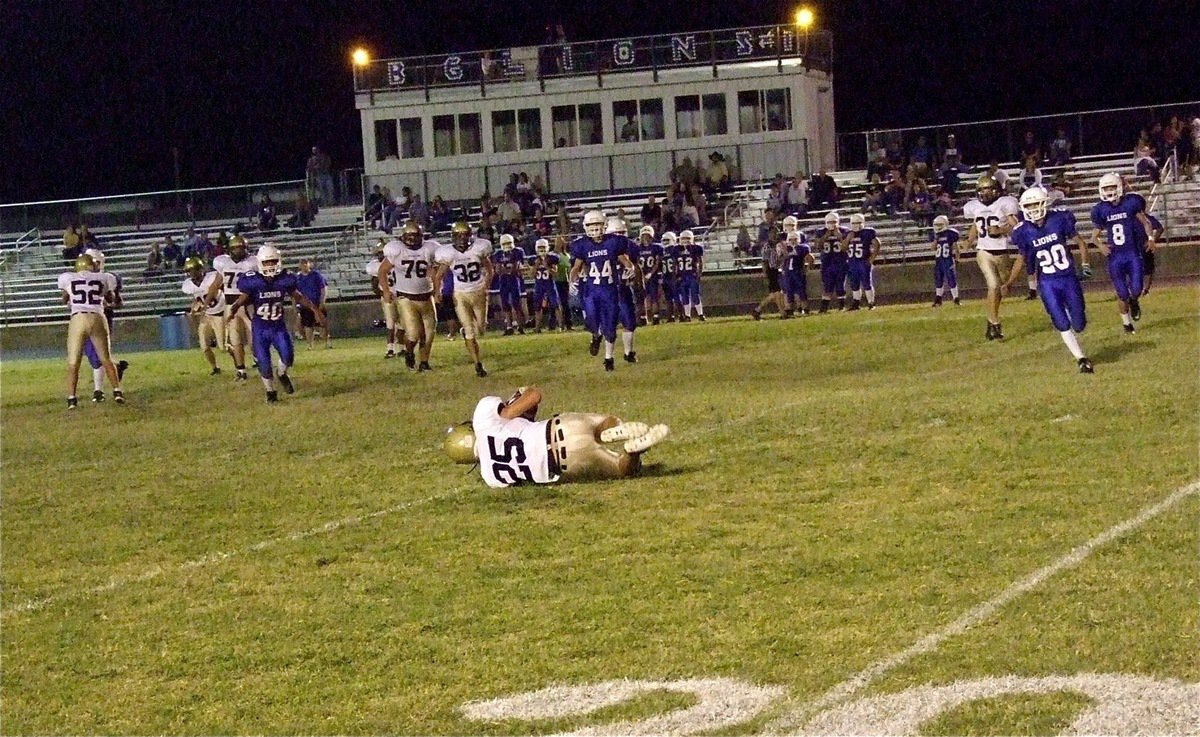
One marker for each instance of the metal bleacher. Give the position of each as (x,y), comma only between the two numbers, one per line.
(341,243)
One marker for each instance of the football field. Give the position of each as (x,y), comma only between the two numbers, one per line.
(872,522)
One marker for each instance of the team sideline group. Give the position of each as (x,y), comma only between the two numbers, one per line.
(620,283)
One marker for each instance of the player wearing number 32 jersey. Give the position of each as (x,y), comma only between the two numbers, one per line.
(1044,240)
(264,291)
(512,447)
(467,258)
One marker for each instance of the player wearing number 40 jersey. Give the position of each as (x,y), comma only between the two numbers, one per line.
(409,263)
(237,323)
(1122,217)
(1044,240)
(265,291)
(85,290)
(468,260)
(512,447)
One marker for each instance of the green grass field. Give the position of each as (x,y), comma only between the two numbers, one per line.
(850,507)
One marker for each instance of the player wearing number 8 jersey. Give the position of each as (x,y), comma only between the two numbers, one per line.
(1044,241)
(992,219)
(237,323)
(1122,217)
(468,260)
(512,447)
(265,291)
(410,263)
(85,291)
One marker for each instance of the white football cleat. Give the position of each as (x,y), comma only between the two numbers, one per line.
(644,442)
(624,431)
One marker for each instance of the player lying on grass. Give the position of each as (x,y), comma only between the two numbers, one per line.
(512,447)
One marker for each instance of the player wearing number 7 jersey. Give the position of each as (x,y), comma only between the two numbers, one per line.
(265,290)
(85,290)
(1122,217)
(411,261)
(512,447)
(1044,240)
(468,260)
(237,324)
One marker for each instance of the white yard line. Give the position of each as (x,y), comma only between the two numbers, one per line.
(34,605)
(844,690)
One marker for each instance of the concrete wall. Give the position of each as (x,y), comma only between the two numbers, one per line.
(724,294)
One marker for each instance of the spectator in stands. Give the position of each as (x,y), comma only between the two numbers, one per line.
(893,195)
(266,214)
(685,173)
(795,195)
(87,239)
(440,216)
(873,197)
(1060,188)
(774,200)
(742,246)
(508,208)
(1060,149)
(920,159)
(768,233)
(1030,147)
(943,204)
(951,155)
(919,203)
(221,244)
(190,243)
(418,212)
(1031,175)
(317,173)
(700,202)
(375,201)
(822,191)
(1144,163)
(72,244)
(629,131)
(717,178)
(172,255)
(304,214)
(1185,148)
(895,155)
(878,166)
(950,174)
(689,215)
(154,262)
(652,213)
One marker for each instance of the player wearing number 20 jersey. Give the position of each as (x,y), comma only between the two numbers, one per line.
(265,292)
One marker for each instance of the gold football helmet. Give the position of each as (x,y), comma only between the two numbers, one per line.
(987,189)
(460,235)
(237,248)
(84,262)
(193,266)
(459,443)
(411,235)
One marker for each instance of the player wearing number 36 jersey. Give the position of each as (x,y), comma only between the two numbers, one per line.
(992,219)
(265,291)
(1044,240)
(512,447)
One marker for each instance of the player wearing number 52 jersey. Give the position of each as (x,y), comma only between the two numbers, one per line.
(85,290)
(410,262)
(992,219)
(467,258)
(265,291)
(1044,241)
(237,323)
(1122,217)
(512,447)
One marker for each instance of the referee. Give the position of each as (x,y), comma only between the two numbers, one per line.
(772,260)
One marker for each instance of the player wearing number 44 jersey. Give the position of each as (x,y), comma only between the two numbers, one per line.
(85,290)
(992,219)
(1122,218)
(468,259)
(512,447)
(597,258)
(409,263)
(265,291)
(1044,240)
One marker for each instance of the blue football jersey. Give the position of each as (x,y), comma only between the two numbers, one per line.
(1048,247)
(943,244)
(796,255)
(1120,222)
(600,259)
(545,267)
(267,295)
(649,258)
(689,259)
(831,249)
(859,247)
(509,262)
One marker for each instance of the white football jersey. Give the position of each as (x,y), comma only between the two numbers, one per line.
(986,216)
(231,271)
(200,291)
(412,267)
(86,290)
(372,269)
(510,450)
(467,266)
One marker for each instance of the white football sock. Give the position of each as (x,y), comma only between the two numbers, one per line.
(687,309)
(699,308)
(856,294)
(937,292)
(627,339)
(870,296)
(1126,319)
(269,384)
(98,378)
(608,349)
(954,292)
(1032,281)
(1072,342)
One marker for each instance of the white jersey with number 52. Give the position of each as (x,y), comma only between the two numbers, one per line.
(467,266)
(86,289)
(988,216)
(412,267)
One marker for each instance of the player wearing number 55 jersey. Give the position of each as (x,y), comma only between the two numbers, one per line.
(237,323)
(992,219)
(1122,217)
(265,291)
(1044,241)
(85,290)
(468,260)
(512,447)
(410,263)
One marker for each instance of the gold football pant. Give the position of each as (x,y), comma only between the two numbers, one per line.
(86,325)
(577,450)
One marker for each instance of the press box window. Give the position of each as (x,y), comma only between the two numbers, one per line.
(456,134)
(412,146)
(638,120)
(765,110)
(385,140)
(700,115)
(576,125)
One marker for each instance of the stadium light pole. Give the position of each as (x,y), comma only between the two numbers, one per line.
(804,21)
(360,57)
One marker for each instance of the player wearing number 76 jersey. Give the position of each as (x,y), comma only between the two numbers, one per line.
(1044,240)
(237,324)
(512,447)
(411,264)
(265,291)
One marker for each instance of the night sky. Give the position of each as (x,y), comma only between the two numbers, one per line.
(96,94)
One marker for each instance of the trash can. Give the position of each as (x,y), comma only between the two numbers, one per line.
(175,331)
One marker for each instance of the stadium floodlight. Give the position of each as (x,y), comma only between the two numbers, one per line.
(804,18)
(360,56)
